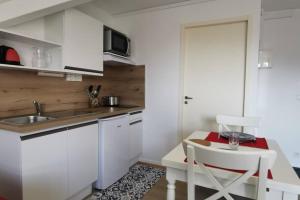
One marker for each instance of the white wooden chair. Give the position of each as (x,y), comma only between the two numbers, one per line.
(249,124)
(250,161)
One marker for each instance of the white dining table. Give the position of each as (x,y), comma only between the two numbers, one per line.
(285,184)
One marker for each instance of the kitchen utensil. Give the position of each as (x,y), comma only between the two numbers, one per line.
(90,89)
(93,94)
(201,142)
(110,101)
(96,91)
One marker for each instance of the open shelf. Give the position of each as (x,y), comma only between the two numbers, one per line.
(110,59)
(46,70)
(23,45)
(9,35)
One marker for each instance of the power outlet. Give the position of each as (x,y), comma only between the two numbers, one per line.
(74,77)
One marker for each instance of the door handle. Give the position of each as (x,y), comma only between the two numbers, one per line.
(188,98)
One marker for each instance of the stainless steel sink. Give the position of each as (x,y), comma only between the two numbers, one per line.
(23,120)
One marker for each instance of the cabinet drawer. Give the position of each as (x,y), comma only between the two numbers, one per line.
(134,116)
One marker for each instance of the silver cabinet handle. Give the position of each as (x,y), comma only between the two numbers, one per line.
(136,122)
(188,98)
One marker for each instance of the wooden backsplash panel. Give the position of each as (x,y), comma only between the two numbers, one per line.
(19,88)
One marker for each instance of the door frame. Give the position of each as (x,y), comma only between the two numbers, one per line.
(251,61)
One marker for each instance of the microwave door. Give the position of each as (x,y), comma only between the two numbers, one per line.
(128,47)
(119,44)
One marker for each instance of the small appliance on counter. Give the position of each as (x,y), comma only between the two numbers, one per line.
(9,55)
(111,101)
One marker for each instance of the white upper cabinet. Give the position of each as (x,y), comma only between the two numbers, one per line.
(72,39)
(82,42)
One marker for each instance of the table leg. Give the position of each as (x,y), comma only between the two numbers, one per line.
(171,189)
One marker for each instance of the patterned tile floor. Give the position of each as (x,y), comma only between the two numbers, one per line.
(132,186)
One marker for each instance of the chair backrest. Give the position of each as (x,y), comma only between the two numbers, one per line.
(249,124)
(249,161)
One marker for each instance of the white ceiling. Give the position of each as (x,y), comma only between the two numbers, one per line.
(123,6)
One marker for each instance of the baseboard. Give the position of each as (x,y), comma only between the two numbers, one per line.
(154,162)
(134,161)
(82,194)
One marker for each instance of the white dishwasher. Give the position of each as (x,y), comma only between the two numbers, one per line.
(113,150)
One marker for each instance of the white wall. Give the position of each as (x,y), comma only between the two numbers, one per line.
(34,28)
(279,87)
(156,43)
(98,13)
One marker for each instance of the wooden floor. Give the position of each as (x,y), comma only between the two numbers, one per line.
(159,190)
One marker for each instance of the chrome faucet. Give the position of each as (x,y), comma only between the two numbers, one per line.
(38,107)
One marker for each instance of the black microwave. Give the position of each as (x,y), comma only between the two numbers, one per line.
(115,42)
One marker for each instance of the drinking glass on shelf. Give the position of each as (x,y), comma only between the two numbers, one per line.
(41,58)
(234,140)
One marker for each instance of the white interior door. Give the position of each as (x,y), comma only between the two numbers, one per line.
(214,74)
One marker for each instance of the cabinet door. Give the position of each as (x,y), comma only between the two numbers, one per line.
(44,167)
(114,159)
(82,157)
(83,42)
(135,139)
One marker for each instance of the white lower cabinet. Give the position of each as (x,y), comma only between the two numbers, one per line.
(113,150)
(58,165)
(44,167)
(135,139)
(82,157)
(135,136)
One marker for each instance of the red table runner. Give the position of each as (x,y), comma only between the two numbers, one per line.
(260,143)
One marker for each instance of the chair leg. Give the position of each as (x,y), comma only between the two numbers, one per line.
(191,173)
(191,191)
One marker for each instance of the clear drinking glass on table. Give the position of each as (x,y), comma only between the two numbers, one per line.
(234,141)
